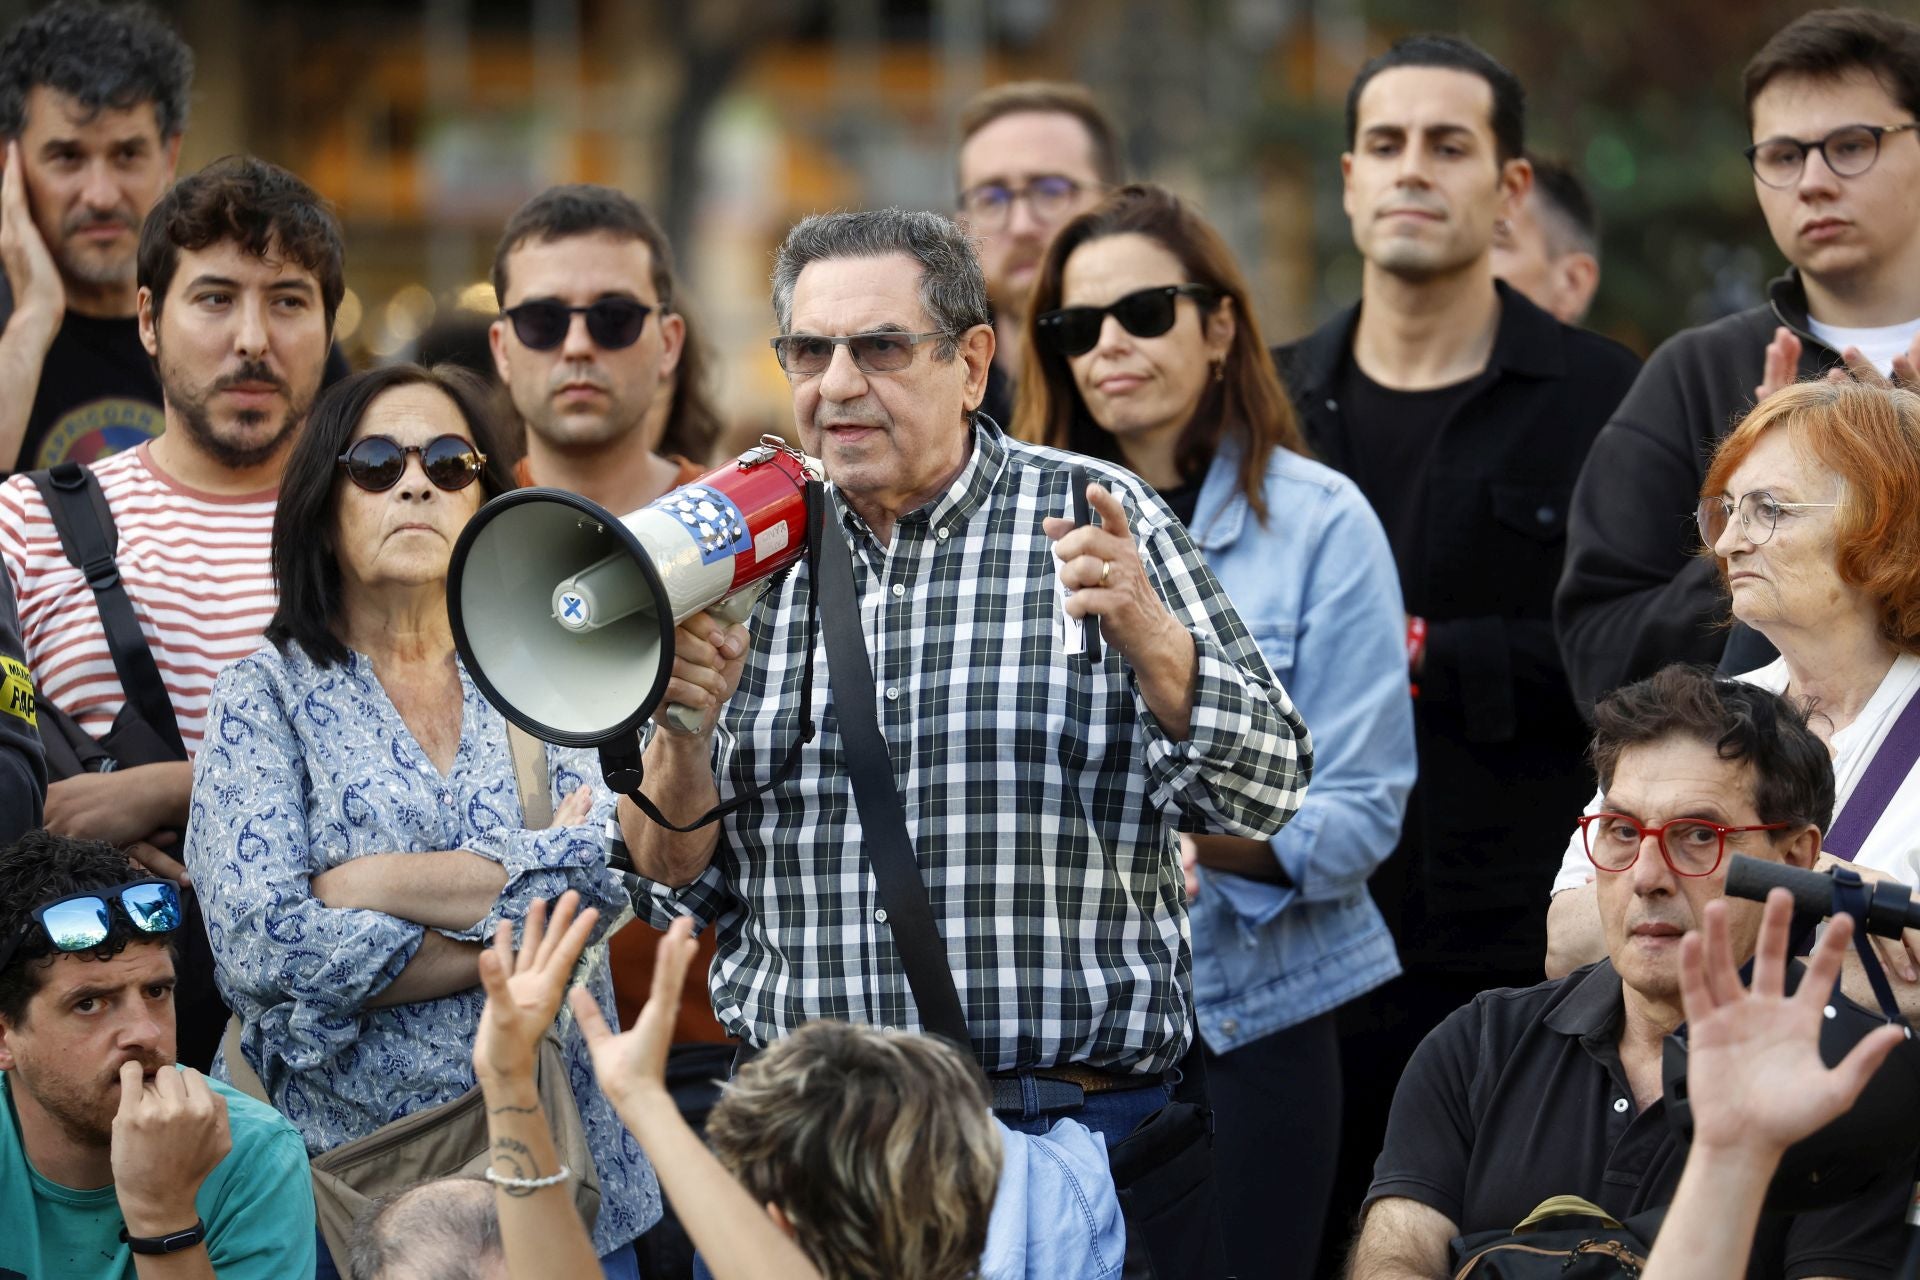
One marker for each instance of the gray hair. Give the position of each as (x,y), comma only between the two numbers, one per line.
(105,57)
(446,1229)
(952,289)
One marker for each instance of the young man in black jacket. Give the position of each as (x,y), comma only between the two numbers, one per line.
(1832,102)
(1462,411)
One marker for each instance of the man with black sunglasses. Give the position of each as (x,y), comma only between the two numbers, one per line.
(1033,155)
(115,1162)
(1831,101)
(1462,410)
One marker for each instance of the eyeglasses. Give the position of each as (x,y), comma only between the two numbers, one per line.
(82,921)
(807,355)
(1691,846)
(1849,151)
(612,323)
(376,463)
(1145,313)
(1049,198)
(1759,512)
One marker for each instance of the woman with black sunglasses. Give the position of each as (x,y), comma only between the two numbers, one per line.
(356,829)
(1142,348)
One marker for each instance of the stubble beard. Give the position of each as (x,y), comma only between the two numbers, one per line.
(238,454)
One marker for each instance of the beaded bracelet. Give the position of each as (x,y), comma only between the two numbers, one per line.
(499,1179)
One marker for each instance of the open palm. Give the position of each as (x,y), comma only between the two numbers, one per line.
(524,988)
(630,1063)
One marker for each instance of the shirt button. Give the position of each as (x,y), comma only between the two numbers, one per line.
(940,534)
(899,589)
(893,695)
(446,797)
(1229,1026)
(881,915)
(1334,405)
(1831,1012)
(1620,1106)
(889,1030)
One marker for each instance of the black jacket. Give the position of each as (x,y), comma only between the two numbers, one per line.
(23,766)
(1635,596)
(1502,773)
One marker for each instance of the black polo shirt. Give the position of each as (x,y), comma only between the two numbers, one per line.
(1520,1096)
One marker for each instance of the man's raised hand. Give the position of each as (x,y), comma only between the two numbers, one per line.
(524,988)
(632,1066)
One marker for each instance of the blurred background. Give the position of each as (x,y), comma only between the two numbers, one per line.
(428,123)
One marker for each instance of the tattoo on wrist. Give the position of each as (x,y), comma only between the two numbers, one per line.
(514,1111)
(515,1159)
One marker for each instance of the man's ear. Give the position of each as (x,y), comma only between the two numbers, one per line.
(1579,274)
(149,337)
(1516,180)
(673,343)
(497,343)
(7,1062)
(976,348)
(170,155)
(1802,850)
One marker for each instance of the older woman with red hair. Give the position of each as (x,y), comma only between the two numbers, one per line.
(1812,507)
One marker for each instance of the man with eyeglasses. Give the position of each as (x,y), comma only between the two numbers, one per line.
(1041,788)
(1558,1090)
(1033,154)
(241,271)
(116,1162)
(1832,101)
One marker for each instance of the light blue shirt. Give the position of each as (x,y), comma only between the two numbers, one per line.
(1317,587)
(304,768)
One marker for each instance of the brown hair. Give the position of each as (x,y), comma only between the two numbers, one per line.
(1870,437)
(1248,401)
(880,1147)
(581,209)
(1051,97)
(258,206)
(1830,43)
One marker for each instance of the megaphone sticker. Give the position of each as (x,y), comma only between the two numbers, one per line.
(717,525)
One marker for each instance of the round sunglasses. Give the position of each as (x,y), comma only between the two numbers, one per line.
(612,323)
(1144,313)
(376,463)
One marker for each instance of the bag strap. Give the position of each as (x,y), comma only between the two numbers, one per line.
(1850,895)
(530,777)
(88,536)
(245,1078)
(883,818)
(1878,785)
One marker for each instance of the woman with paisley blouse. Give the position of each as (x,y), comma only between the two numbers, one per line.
(356,831)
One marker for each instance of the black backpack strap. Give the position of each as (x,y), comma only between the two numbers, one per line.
(883,819)
(88,536)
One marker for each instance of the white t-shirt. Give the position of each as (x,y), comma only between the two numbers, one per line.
(1879,345)
(1893,846)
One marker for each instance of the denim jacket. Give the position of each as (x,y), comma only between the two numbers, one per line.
(1317,587)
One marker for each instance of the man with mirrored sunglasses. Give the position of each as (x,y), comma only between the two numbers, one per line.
(1693,769)
(1831,103)
(1032,155)
(115,1162)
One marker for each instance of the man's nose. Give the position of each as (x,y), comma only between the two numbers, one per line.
(250,331)
(843,380)
(578,344)
(100,191)
(1650,871)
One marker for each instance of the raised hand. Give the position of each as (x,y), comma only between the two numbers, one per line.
(1754,1072)
(1782,364)
(168,1135)
(524,989)
(38,296)
(632,1066)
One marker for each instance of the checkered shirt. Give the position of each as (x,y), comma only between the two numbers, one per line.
(1041,795)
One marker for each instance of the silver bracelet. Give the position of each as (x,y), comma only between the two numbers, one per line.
(499,1179)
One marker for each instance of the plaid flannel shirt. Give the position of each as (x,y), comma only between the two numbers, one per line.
(1041,795)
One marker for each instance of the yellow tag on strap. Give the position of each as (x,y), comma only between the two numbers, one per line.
(16,692)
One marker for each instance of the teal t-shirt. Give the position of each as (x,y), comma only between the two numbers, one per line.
(257,1204)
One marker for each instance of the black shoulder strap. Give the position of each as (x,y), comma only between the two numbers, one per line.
(88,536)
(903,894)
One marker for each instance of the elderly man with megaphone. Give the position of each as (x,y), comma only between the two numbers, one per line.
(971,824)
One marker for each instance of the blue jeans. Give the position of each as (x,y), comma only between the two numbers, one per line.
(1113,1114)
(621,1264)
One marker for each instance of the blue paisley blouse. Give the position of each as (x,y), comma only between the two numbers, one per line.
(305,767)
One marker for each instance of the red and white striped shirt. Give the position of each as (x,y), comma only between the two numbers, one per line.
(197,567)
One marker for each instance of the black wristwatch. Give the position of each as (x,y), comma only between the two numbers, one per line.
(172,1242)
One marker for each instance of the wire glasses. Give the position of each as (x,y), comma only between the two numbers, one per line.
(1849,151)
(612,323)
(807,355)
(1049,196)
(82,921)
(1760,514)
(376,463)
(1691,846)
(1144,313)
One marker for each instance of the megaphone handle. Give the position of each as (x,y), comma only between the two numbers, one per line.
(731,610)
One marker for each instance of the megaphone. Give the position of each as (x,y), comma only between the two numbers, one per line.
(564,613)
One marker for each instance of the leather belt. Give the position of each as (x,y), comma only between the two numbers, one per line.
(1061,1088)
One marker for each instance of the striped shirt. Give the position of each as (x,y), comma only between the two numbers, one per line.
(196,566)
(1041,794)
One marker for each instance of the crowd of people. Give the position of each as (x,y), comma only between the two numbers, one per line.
(1216,949)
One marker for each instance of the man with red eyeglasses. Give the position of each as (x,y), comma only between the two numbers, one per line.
(1557,1089)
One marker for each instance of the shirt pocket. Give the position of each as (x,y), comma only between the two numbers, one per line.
(1276,642)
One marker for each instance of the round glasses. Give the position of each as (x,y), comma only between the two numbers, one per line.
(1144,313)
(1691,846)
(1759,512)
(1849,152)
(1049,196)
(612,323)
(376,463)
